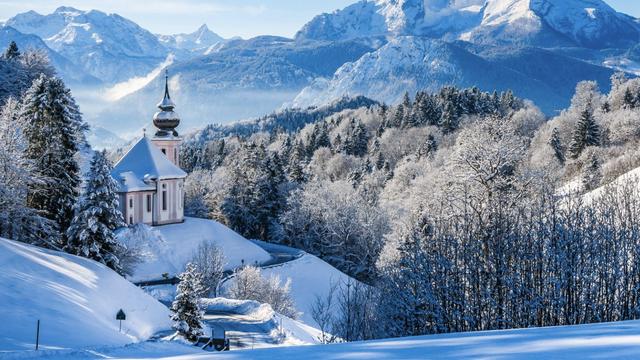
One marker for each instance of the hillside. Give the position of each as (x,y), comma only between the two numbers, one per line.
(75,299)
(168,248)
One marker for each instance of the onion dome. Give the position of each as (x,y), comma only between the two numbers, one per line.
(166,120)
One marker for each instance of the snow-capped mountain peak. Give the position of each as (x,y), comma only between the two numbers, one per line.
(199,40)
(103,44)
(590,23)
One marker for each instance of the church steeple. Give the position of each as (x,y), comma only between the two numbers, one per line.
(166,120)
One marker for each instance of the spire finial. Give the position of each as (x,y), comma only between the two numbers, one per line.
(166,83)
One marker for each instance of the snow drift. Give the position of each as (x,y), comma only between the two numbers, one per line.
(75,299)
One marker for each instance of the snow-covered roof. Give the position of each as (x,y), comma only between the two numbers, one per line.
(144,161)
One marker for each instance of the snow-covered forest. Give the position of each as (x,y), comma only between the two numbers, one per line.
(462,210)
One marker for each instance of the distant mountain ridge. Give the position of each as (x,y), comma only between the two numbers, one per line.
(376,48)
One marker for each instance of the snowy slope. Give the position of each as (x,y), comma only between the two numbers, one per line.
(75,299)
(310,277)
(170,247)
(598,341)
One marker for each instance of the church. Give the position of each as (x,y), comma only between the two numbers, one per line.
(151,182)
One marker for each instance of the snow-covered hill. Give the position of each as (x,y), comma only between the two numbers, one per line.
(107,46)
(168,248)
(75,299)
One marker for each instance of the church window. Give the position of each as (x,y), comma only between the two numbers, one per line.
(131,203)
(164,151)
(164,197)
(131,220)
(175,155)
(148,203)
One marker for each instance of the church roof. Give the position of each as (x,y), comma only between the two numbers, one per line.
(144,161)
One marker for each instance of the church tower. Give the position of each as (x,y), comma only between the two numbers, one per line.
(166,121)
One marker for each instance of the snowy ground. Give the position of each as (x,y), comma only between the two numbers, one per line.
(172,246)
(249,324)
(310,277)
(75,299)
(602,341)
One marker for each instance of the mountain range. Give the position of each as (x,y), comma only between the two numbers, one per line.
(376,48)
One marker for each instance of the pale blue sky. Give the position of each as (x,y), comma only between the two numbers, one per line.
(244,18)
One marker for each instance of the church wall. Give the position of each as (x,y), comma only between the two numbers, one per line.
(174,211)
(134,207)
(170,147)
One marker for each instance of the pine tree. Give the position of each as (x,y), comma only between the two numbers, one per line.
(53,129)
(17,220)
(586,133)
(428,148)
(448,121)
(91,233)
(591,174)
(12,52)
(628,102)
(187,314)
(556,145)
(410,305)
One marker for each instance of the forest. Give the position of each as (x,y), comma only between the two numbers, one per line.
(459,210)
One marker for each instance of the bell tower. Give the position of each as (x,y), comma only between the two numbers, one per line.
(166,121)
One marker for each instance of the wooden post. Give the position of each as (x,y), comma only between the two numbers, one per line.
(37,335)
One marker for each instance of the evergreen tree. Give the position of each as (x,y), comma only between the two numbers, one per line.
(12,52)
(91,233)
(448,121)
(187,314)
(17,220)
(428,148)
(556,145)
(586,133)
(53,129)
(591,175)
(410,306)
(628,102)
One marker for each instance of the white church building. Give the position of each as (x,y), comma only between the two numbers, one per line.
(151,182)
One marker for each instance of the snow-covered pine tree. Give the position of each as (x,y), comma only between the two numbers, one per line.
(586,133)
(17,220)
(628,102)
(187,313)
(429,147)
(556,145)
(91,233)
(54,130)
(12,52)
(591,174)
(407,302)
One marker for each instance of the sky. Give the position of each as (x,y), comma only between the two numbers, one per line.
(228,18)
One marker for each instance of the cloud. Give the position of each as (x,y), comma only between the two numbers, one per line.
(120,90)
